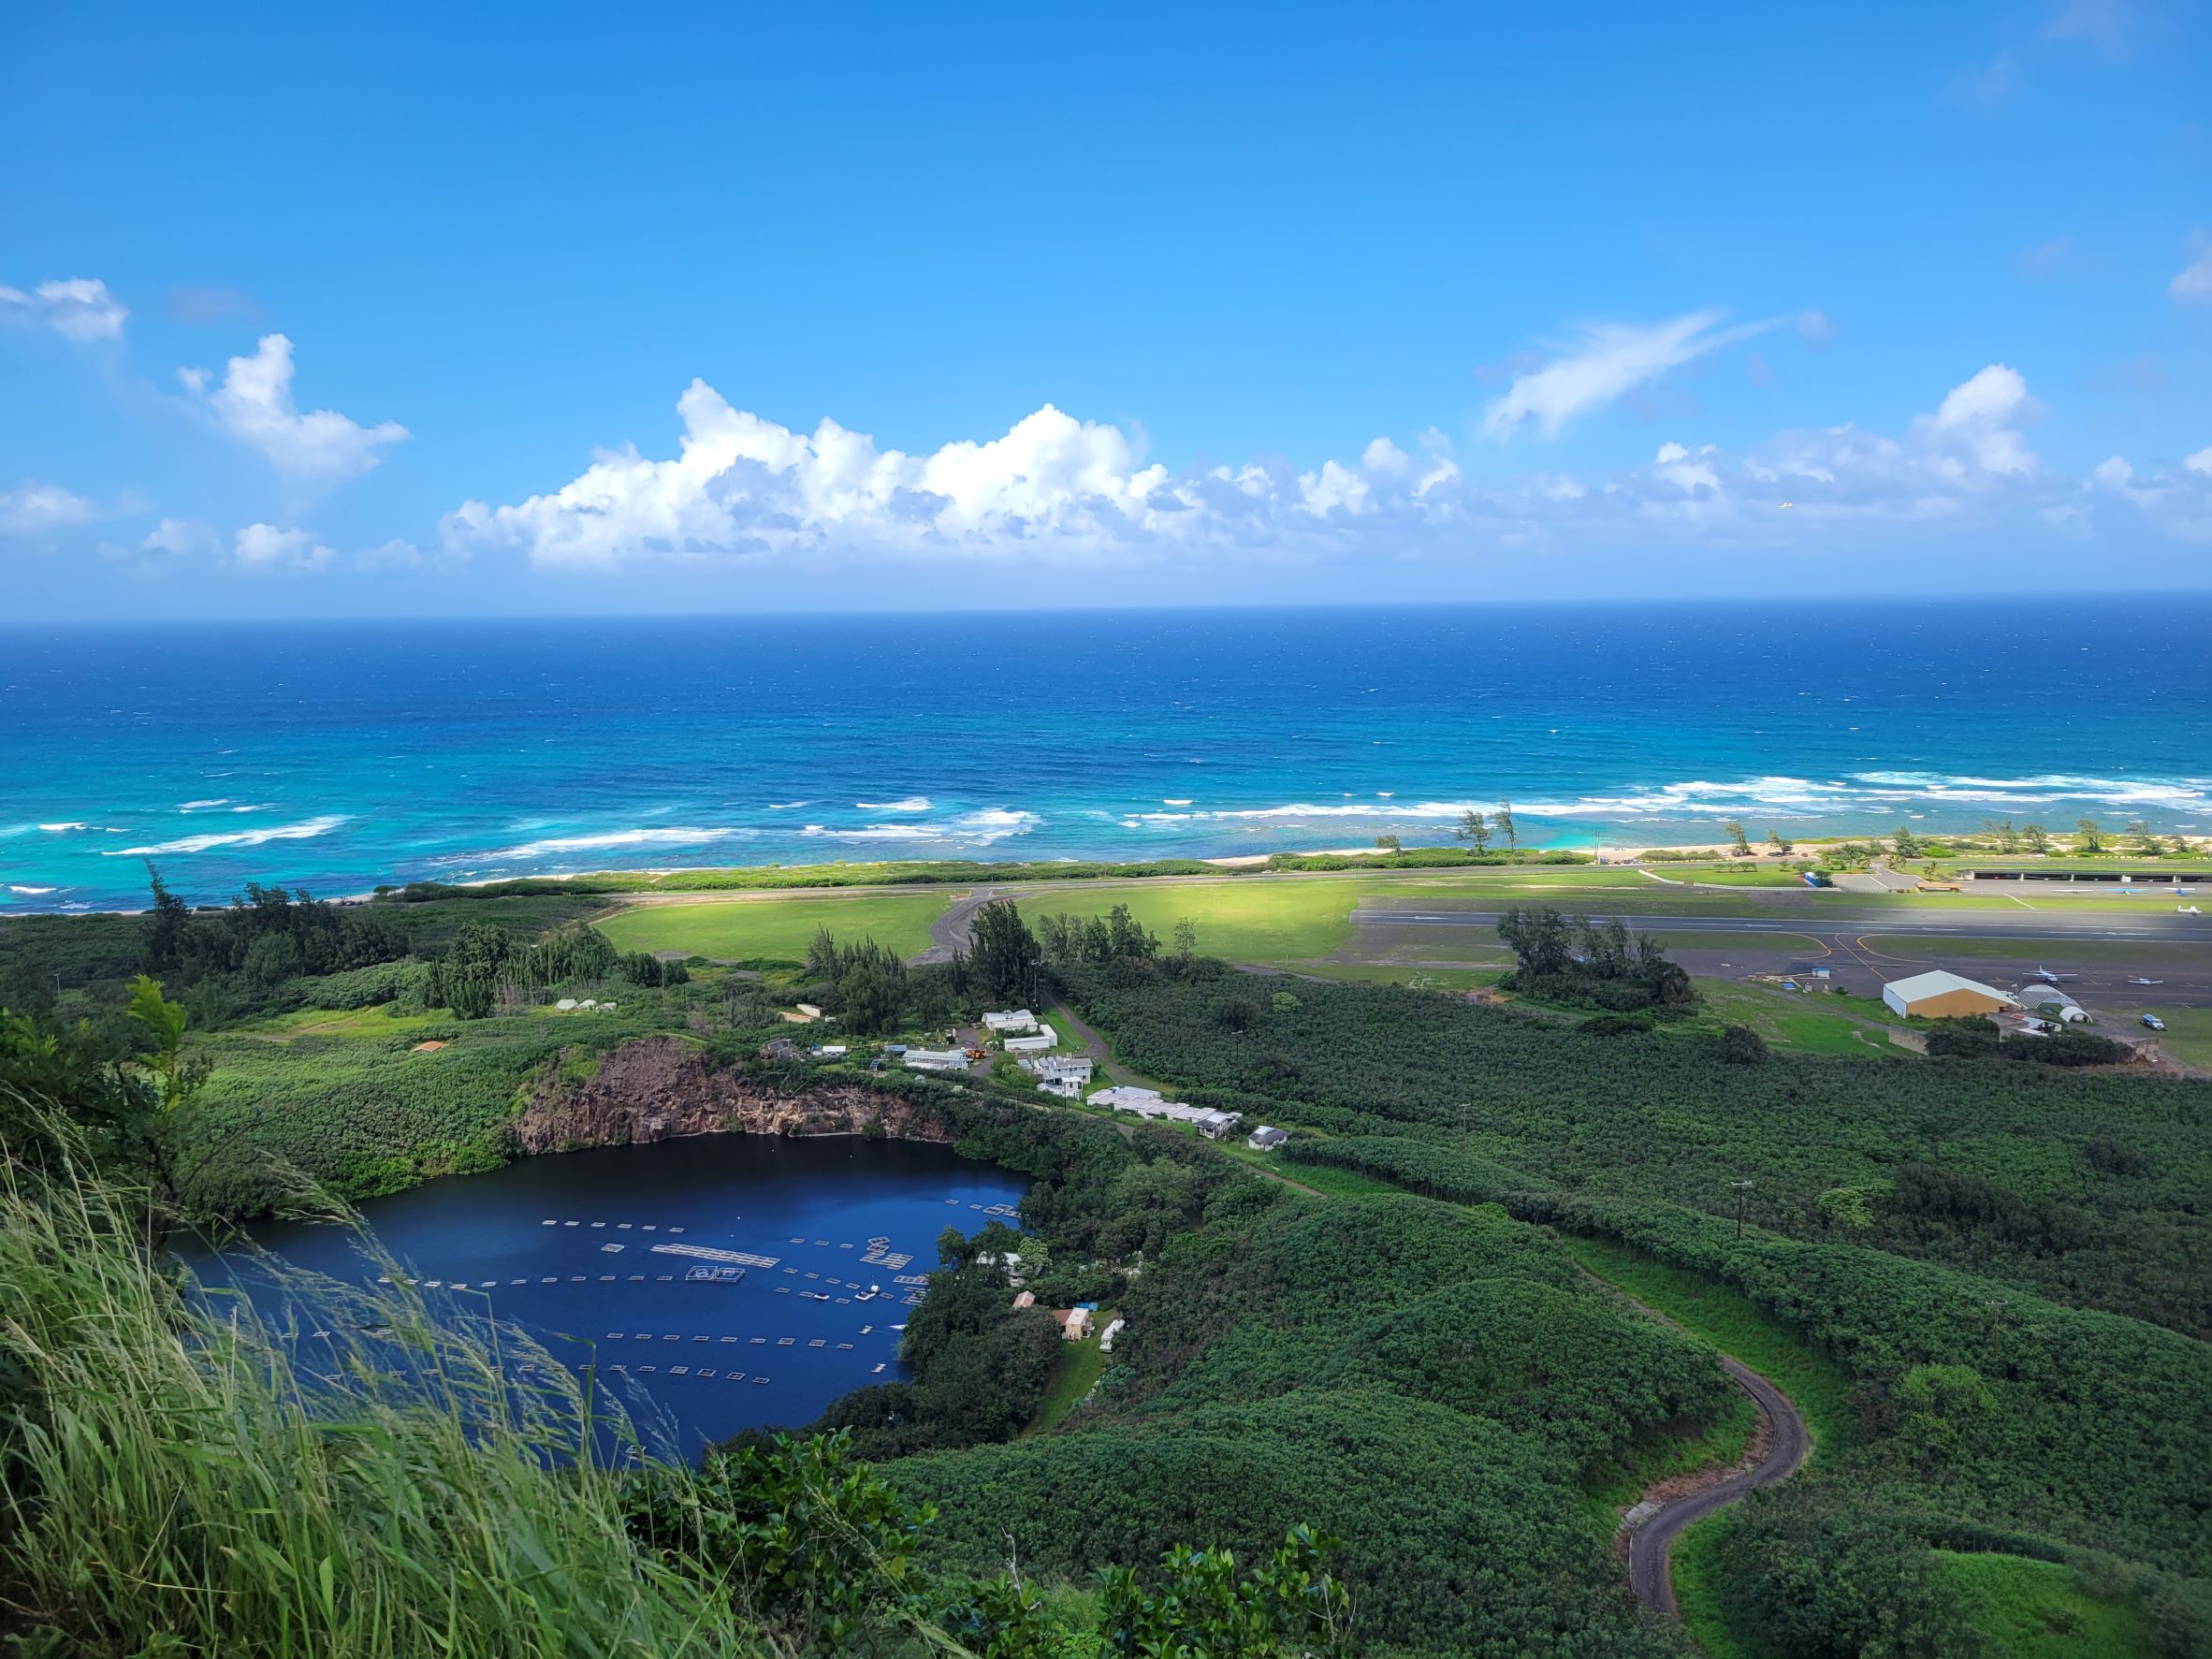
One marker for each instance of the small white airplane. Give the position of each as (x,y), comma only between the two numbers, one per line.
(2139,980)
(2049,977)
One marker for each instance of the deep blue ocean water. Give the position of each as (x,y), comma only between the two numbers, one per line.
(337,755)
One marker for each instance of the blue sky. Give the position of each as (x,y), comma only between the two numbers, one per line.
(304,312)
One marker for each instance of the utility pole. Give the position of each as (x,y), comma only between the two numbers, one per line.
(1463,1120)
(1743,1189)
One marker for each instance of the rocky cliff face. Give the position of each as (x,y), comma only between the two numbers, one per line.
(658,1087)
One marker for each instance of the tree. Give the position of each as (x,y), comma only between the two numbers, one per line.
(1474,828)
(1503,818)
(1003,954)
(2090,836)
(1777,841)
(1537,936)
(2038,840)
(1742,1046)
(1906,843)
(1738,843)
(1388,844)
(466,978)
(1185,938)
(821,956)
(165,927)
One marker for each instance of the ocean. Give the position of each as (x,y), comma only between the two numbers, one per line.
(333,756)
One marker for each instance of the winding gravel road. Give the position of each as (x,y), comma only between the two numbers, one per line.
(1651,1546)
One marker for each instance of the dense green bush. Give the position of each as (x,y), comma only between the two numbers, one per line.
(1430,1384)
(367,987)
(1648,1115)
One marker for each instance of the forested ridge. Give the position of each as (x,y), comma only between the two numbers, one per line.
(2093,1188)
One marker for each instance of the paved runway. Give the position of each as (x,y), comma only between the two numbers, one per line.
(2157,927)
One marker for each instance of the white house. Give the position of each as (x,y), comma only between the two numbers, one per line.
(1046,1038)
(1213,1125)
(1075,1066)
(1106,1336)
(1123,1096)
(1265,1140)
(935,1059)
(1018,1019)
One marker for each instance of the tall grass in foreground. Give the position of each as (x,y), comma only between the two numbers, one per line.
(174,1479)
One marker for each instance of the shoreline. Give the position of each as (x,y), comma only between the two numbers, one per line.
(1643,852)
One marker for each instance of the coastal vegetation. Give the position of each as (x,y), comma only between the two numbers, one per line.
(1983,1283)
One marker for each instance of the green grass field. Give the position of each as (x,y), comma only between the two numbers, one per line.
(1814,1023)
(2041,1610)
(1701,1589)
(2187,1036)
(1082,1364)
(1243,919)
(779,927)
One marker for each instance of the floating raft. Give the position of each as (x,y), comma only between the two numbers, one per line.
(708,1253)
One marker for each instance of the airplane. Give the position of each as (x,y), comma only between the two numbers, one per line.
(2049,977)
(2139,980)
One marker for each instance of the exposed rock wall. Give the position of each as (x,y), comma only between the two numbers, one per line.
(659,1088)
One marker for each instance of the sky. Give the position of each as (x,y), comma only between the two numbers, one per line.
(322,311)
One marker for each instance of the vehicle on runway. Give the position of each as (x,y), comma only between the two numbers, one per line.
(2048,978)
(2154,1021)
(2136,979)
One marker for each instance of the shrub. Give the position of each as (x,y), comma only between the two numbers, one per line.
(1742,1046)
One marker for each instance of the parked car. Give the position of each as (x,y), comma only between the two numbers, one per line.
(2154,1021)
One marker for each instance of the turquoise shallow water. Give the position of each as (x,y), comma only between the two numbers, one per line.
(338,755)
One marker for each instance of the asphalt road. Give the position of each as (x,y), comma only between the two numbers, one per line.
(1650,1546)
(950,932)
(2157,927)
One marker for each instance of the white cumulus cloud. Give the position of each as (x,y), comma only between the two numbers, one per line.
(78,308)
(254,404)
(264,547)
(1981,418)
(1604,364)
(744,488)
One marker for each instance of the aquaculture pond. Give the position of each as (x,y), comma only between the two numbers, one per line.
(718,1282)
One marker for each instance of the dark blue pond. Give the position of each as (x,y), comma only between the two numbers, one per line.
(589,1252)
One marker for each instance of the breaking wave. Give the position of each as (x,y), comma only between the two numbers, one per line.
(554,846)
(253,837)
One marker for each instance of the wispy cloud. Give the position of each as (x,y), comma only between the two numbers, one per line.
(78,308)
(2192,285)
(2106,26)
(182,537)
(34,508)
(1604,364)
(254,405)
